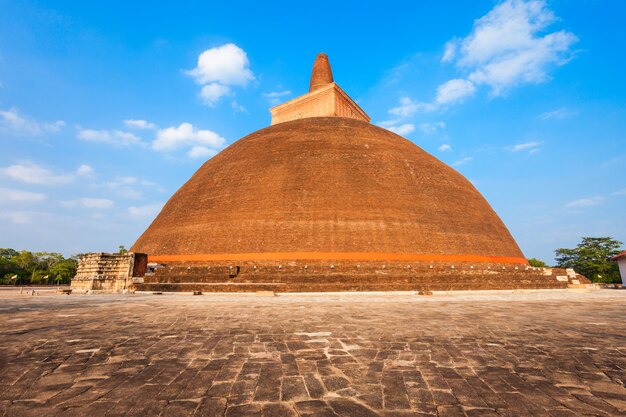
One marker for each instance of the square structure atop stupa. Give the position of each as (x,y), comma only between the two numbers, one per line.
(325,99)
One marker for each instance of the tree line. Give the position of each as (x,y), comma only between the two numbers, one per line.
(35,268)
(589,258)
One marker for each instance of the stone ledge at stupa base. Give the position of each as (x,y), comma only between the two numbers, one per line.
(322,276)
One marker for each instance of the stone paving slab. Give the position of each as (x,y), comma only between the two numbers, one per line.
(550,353)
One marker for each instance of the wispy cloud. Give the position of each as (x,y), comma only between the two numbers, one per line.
(454,91)
(462,161)
(90,203)
(12,121)
(146,212)
(450,50)
(585,202)
(129,180)
(17,216)
(397,127)
(445,148)
(139,124)
(237,107)
(31,173)
(112,137)
(619,160)
(20,196)
(620,192)
(275,97)
(85,170)
(531,147)
(128,187)
(432,128)
(408,107)
(557,114)
(201,152)
(403,129)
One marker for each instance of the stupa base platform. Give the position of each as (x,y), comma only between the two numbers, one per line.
(324,277)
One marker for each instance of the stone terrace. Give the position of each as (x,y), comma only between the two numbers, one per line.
(543,353)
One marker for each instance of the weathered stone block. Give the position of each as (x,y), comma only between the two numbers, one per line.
(108,272)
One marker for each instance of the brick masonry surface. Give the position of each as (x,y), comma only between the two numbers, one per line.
(542,353)
(326,184)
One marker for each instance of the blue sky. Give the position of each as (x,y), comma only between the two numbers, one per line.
(106,109)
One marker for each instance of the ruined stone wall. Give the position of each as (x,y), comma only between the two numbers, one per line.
(108,272)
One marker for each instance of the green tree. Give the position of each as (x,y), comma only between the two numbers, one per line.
(25,260)
(122,250)
(47,259)
(24,267)
(537,263)
(39,277)
(63,272)
(590,258)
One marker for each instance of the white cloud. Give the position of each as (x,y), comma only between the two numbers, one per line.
(12,121)
(450,92)
(146,212)
(403,129)
(275,94)
(226,64)
(201,152)
(139,124)
(508,47)
(211,93)
(20,196)
(275,97)
(220,68)
(129,180)
(32,173)
(432,128)
(454,91)
(186,135)
(462,161)
(129,187)
(84,170)
(532,147)
(90,203)
(237,107)
(445,148)
(113,137)
(585,202)
(620,192)
(408,107)
(557,114)
(450,50)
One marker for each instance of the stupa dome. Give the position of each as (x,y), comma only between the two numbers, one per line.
(322,183)
(327,188)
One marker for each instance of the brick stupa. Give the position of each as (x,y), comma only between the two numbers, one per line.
(322,200)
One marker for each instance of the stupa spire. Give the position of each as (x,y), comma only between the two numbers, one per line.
(324,99)
(322,74)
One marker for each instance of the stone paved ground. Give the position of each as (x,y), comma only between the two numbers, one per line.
(559,353)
